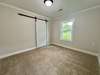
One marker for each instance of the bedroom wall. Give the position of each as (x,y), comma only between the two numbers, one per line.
(16,32)
(86,31)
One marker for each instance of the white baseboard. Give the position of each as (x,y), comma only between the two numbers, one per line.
(29,49)
(76,49)
(16,52)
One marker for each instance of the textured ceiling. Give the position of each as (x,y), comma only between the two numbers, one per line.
(68,6)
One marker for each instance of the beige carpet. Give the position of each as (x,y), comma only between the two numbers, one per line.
(50,61)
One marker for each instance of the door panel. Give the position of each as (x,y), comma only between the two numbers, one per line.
(41,33)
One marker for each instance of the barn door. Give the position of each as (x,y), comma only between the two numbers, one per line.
(41,33)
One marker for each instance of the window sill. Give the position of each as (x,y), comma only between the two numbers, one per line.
(66,40)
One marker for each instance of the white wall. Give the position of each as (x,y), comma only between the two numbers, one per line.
(86,31)
(16,32)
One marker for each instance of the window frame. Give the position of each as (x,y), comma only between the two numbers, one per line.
(72,20)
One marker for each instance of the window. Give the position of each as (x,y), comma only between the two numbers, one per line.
(66,31)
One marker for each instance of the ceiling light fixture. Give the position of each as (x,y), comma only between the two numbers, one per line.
(48,2)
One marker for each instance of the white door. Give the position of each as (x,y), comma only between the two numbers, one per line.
(41,33)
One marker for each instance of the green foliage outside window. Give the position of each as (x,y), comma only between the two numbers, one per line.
(66,31)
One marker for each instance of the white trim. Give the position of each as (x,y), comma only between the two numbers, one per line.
(76,49)
(13,7)
(87,9)
(17,52)
(23,10)
(74,13)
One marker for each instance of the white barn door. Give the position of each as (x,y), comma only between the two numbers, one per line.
(41,33)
